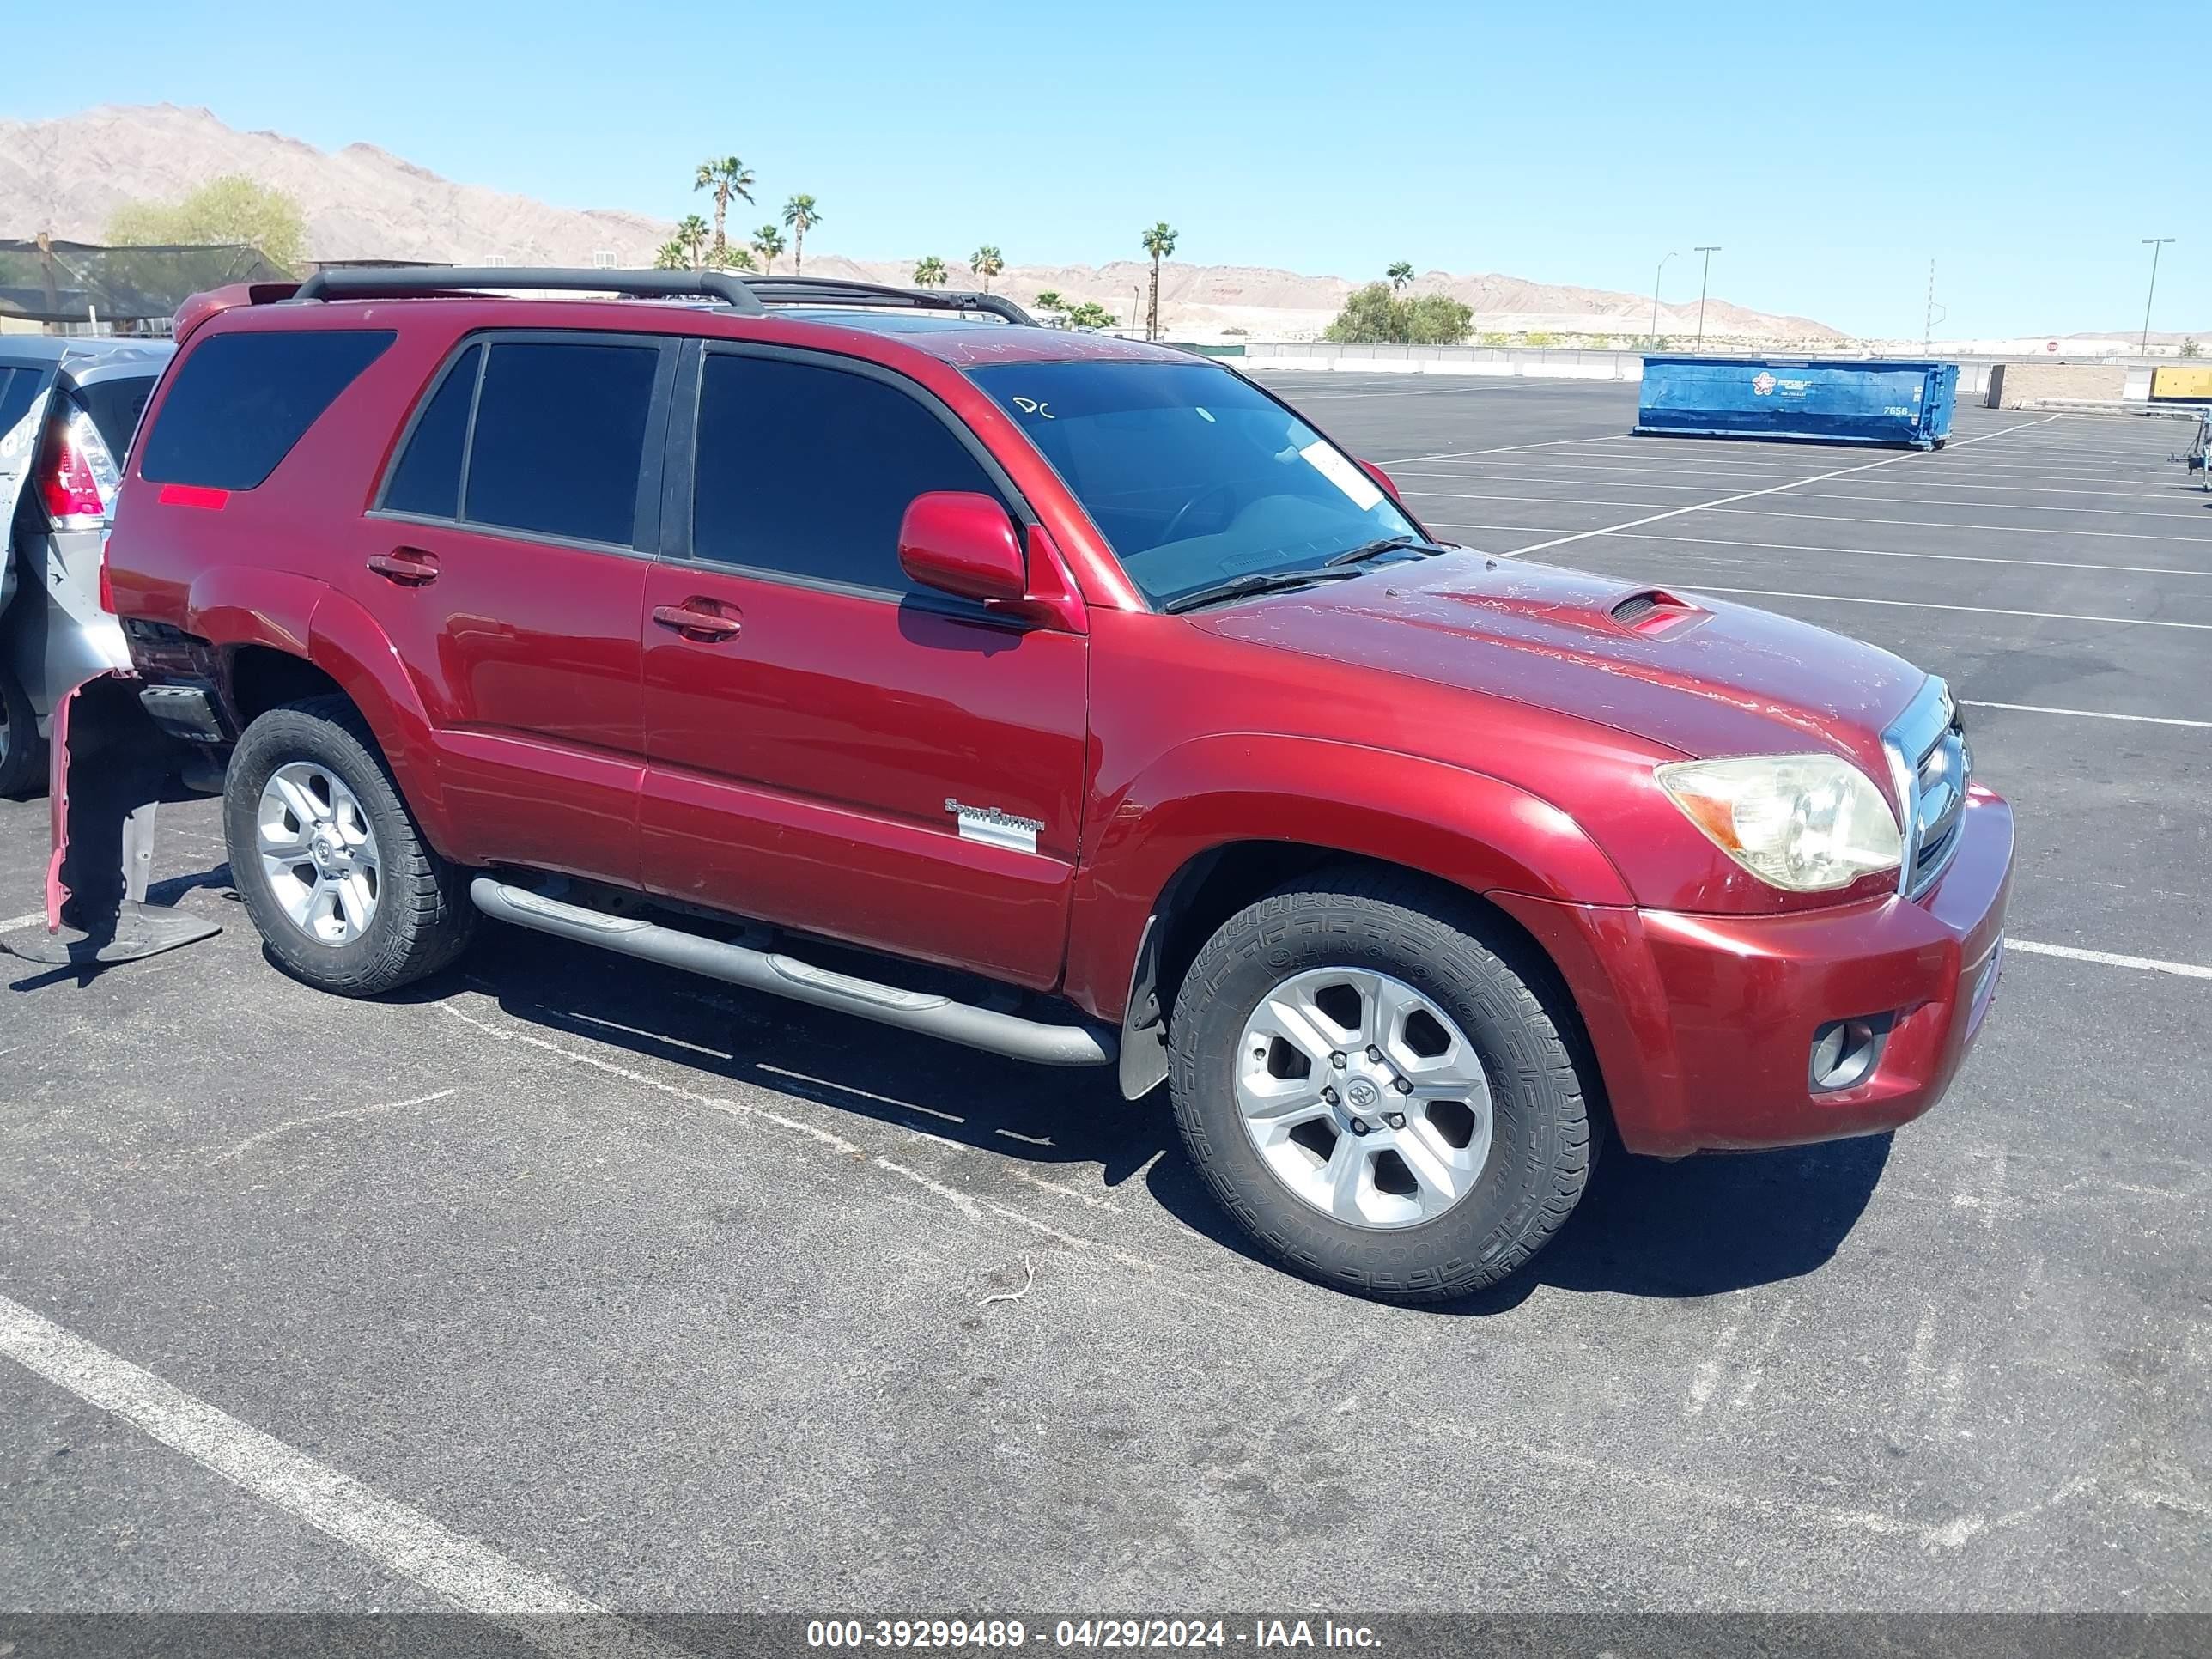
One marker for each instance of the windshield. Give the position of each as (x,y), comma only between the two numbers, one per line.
(1194,475)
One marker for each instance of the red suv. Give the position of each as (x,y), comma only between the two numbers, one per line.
(1115,712)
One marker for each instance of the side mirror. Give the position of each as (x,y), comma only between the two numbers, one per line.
(1382,478)
(960,542)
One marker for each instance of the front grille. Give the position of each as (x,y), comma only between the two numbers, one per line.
(1927,748)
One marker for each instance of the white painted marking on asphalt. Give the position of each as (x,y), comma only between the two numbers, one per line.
(2086,714)
(1771,490)
(1704,480)
(1456,454)
(1709,1372)
(1616,1477)
(1895,553)
(1952,524)
(1810,495)
(252,1141)
(1990,1200)
(713,1103)
(11,923)
(1930,604)
(2109,959)
(1075,1193)
(952,1195)
(1755,1373)
(403,1540)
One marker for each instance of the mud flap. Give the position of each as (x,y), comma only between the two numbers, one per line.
(111,765)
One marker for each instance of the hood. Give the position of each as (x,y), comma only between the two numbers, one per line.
(1698,675)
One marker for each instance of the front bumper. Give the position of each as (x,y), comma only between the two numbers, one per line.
(1702,1025)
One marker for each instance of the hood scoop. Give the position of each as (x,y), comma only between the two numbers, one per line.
(1653,613)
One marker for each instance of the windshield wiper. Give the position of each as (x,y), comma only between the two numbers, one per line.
(1265,581)
(1389,544)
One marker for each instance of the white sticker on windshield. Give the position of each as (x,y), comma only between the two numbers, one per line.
(1356,484)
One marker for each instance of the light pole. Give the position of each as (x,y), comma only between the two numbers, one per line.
(1656,275)
(2153,243)
(1136,304)
(1708,252)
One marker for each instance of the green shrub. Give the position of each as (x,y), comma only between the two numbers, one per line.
(1374,316)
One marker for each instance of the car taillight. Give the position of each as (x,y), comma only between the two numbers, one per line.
(68,485)
(107,582)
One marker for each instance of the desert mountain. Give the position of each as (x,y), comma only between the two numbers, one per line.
(362,203)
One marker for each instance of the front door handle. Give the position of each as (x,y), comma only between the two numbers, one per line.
(411,567)
(703,620)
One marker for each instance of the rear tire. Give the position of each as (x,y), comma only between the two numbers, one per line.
(22,751)
(1458,1139)
(348,896)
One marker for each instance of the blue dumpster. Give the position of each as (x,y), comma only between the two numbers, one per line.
(1907,405)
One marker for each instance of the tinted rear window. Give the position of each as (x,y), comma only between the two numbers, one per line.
(241,401)
(560,435)
(427,479)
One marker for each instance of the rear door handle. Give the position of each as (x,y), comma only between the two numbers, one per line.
(694,622)
(411,567)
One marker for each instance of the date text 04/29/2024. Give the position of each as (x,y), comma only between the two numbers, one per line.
(1116,1634)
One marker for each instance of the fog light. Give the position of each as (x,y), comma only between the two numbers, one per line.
(1846,1051)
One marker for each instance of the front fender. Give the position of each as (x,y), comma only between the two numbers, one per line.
(1478,832)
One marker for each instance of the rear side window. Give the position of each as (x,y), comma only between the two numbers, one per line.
(241,401)
(115,406)
(427,479)
(560,437)
(809,470)
(18,385)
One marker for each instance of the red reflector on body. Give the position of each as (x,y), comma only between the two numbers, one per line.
(178,494)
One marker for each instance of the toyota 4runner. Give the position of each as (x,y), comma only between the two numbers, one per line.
(1119,716)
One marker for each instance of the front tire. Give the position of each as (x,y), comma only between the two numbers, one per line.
(1376,1082)
(348,896)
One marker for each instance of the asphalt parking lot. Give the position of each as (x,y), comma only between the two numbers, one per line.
(665,1297)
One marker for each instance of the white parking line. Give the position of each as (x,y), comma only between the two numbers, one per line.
(1706,479)
(2086,714)
(1893,553)
(9,924)
(2194,516)
(1771,490)
(1460,454)
(403,1540)
(2109,959)
(1930,604)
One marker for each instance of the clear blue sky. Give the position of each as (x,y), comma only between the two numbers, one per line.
(1830,150)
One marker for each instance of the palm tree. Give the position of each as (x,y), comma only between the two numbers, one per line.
(767,242)
(1159,242)
(988,262)
(1052,299)
(929,272)
(1401,274)
(674,254)
(802,215)
(694,238)
(731,258)
(725,176)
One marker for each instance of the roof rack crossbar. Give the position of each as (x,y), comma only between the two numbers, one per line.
(362,282)
(840,291)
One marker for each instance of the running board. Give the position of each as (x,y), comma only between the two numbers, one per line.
(1035,1041)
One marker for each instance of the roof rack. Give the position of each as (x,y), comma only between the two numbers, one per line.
(838,291)
(750,295)
(368,282)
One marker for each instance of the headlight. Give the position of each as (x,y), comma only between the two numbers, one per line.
(1804,823)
